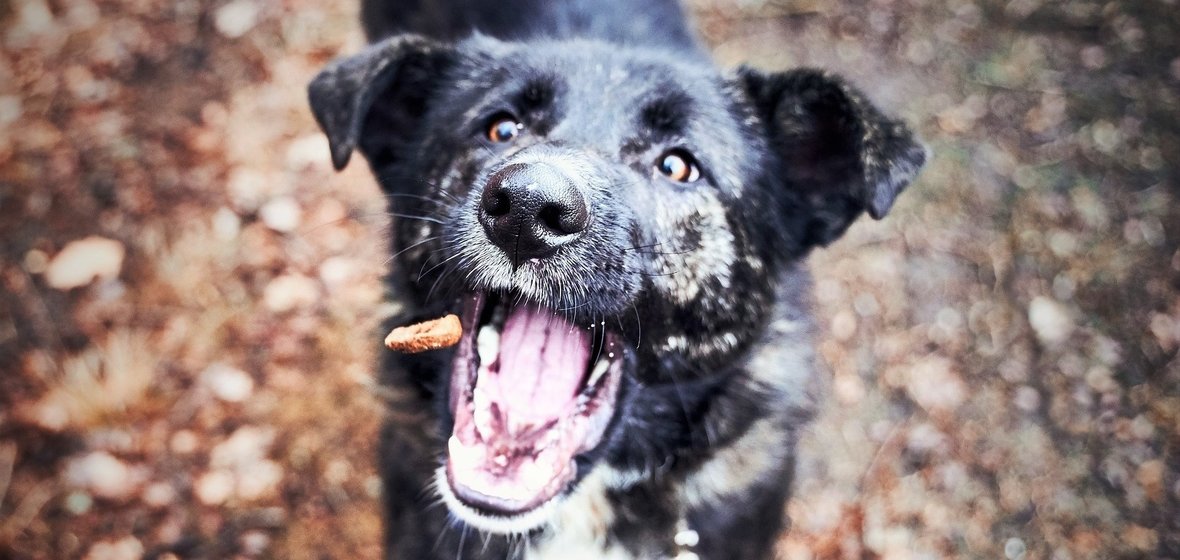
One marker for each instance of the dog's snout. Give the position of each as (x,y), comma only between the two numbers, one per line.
(529,210)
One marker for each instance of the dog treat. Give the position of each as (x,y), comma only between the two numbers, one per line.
(427,335)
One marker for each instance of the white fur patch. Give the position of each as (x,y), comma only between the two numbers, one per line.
(681,271)
(580,526)
(738,467)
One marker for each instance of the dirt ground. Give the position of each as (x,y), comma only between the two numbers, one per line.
(190,295)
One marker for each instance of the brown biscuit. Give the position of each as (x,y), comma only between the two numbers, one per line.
(427,335)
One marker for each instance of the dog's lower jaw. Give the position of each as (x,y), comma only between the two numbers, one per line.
(516,525)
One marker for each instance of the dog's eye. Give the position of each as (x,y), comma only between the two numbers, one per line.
(503,129)
(678,165)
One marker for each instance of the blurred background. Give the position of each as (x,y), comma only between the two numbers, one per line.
(189,296)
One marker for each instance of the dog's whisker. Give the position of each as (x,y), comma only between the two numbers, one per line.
(332,222)
(418,244)
(437,196)
(486,539)
(462,543)
(638,326)
(423,273)
(649,274)
(430,219)
(441,276)
(664,253)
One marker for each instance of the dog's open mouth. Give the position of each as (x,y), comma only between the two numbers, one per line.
(530,391)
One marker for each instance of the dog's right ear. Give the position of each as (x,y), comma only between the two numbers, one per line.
(371,98)
(839,153)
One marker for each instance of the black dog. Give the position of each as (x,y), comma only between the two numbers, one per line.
(620,227)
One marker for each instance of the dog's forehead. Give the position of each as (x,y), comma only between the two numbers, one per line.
(608,93)
(591,69)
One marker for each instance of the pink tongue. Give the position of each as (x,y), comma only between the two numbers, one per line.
(542,361)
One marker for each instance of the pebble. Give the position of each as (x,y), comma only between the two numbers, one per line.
(289,292)
(339,272)
(925,438)
(240,469)
(184,442)
(236,18)
(228,383)
(254,542)
(242,449)
(1101,379)
(78,503)
(843,325)
(373,487)
(10,109)
(337,471)
(159,494)
(933,384)
(848,388)
(226,224)
(81,261)
(103,475)
(1027,399)
(1142,538)
(1014,549)
(32,19)
(127,548)
(308,150)
(247,188)
(1050,320)
(281,214)
(214,487)
(36,261)
(1142,428)
(1150,475)
(261,479)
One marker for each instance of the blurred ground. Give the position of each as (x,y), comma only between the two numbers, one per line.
(189,294)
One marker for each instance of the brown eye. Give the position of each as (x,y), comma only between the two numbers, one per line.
(678,165)
(503,129)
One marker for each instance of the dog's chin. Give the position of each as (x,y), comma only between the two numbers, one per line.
(518,524)
(530,392)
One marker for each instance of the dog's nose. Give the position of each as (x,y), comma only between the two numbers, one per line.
(529,210)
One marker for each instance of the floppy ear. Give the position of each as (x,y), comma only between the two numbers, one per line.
(841,154)
(371,97)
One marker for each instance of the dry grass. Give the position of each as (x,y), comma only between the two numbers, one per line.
(97,386)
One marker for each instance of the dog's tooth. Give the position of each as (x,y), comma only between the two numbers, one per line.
(460,454)
(484,422)
(487,345)
(600,368)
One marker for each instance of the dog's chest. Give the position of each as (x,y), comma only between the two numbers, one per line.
(580,527)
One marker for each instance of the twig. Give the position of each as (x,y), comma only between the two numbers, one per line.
(7,464)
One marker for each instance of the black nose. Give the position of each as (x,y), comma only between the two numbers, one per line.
(529,210)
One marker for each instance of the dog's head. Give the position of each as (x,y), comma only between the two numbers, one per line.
(610,224)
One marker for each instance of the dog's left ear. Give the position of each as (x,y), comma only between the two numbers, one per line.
(371,98)
(841,154)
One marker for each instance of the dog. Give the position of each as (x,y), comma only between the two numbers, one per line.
(622,229)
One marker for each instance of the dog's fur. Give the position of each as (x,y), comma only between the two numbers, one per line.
(702,281)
